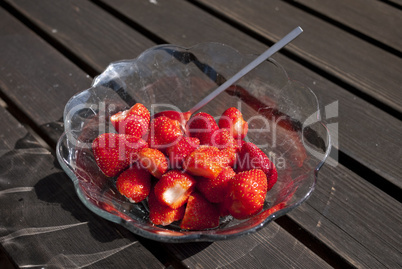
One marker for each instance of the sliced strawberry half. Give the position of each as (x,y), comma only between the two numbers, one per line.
(160,214)
(134,121)
(114,152)
(174,188)
(232,119)
(200,214)
(154,161)
(206,161)
(215,190)
(181,150)
(247,191)
(134,183)
(252,157)
(202,125)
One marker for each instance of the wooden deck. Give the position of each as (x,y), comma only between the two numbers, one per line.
(350,53)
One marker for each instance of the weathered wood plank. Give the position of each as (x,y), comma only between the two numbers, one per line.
(262,250)
(78,24)
(339,53)
(11,131)
(367,216)
(372,18)
(359,121)
(396,2)
(66,233)
(36,48)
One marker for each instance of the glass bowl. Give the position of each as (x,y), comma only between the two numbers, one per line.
(283,117)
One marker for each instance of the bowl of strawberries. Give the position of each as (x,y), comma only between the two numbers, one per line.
(138,157)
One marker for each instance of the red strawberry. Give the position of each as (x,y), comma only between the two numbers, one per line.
(114,152)
(200,214)
(222,139)
(134,121)
(164,132)
(181,150)
(202,126)
(181,117)
(216,189)
(227,144)
(223,207)
(173,188)
(232,119)
(154,161)
(251,157)
(206,161)
(247,191)
(160,214)
(134,183)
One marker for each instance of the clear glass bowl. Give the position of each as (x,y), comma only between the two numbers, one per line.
(283,117)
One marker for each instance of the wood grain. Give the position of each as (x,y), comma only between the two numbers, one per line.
(66,233)
(372,18)
(358,120)
(367,217)
(262,250)
(289,256)
(339,53)
(156,20)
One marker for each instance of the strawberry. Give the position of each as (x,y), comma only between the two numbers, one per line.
(223,206)
(232,119)
(202,126)
(173,188)
(252,157)
(181,150)
(164,132)
(181,117)
(200,214)
(134,183)
(154,161)
(160,214)
(227,144)
(247,191)
(114,152)
(215,189)
(134,121)
(206,161)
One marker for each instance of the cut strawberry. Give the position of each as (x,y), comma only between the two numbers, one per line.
(202,125)
(252,157)
(216,189)
(181,117)
(134,183)
(164,132)
(114,152)
(232,119)
(181,150)
(200,214)
(134,121)
(154,161)
(247,191)
(173,188)
(206,161)
(160,214)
